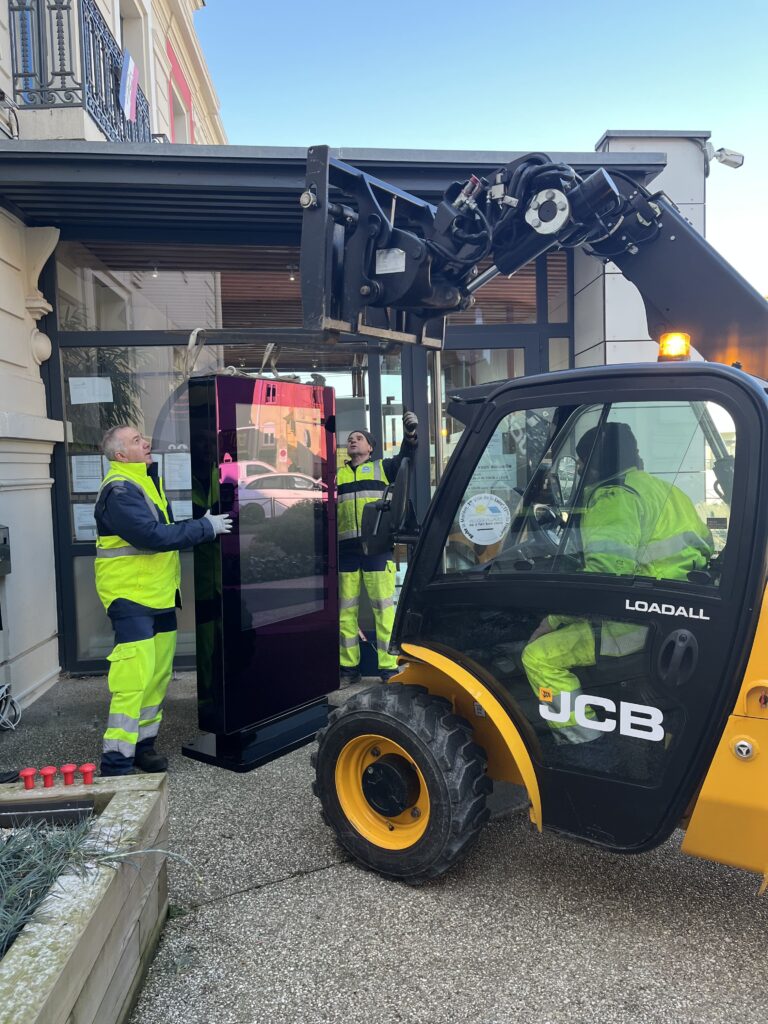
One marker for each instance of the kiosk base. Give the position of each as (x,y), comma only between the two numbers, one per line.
(248,749)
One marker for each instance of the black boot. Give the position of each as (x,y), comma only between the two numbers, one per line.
(150,761)
(11,776)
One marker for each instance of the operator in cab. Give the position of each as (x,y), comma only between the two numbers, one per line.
(360,480)
(633,524)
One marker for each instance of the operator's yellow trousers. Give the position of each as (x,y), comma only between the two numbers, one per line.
(141,665)
(377,574)
(547,662)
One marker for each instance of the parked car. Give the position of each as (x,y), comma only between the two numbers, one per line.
(268,495)
(233,472)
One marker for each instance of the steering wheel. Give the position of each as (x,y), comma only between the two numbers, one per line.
(547,523)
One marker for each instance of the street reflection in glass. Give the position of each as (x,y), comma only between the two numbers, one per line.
(282,503)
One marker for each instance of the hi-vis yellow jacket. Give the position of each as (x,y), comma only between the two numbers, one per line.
(138,543)
(641,527)
(357,485)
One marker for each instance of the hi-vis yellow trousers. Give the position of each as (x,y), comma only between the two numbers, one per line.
(140,668)
(377,574)
(547,662)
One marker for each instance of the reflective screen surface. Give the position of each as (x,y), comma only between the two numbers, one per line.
(266,594)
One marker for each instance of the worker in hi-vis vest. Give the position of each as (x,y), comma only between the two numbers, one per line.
(362,479)
(632,524)
(138,581)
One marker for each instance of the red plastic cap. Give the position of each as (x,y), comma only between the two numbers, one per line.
(28,775)
(87,770)
(48,773)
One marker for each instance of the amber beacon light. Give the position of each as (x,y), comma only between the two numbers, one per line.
(674,346)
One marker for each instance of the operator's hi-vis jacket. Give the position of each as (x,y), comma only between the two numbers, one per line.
(642,526)
(357,485)
(138,543)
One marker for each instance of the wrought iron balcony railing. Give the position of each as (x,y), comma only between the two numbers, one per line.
(65,56)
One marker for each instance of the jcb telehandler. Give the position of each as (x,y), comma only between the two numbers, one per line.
(668,691)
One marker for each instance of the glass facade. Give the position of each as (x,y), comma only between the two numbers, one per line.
(119,286)
(120,306)
(146,385)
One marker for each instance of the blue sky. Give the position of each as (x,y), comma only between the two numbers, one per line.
(545,76)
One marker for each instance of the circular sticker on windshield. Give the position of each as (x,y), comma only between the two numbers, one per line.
(484,519)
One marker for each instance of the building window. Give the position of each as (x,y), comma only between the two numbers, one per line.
(504,300)
(557,288)
(133,37)
(178,287)
(180,100)
(180,118)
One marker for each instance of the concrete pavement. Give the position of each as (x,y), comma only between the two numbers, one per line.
(273,924)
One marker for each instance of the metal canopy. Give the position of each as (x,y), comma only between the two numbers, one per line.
(216,194)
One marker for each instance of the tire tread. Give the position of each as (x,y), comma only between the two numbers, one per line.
(462,763)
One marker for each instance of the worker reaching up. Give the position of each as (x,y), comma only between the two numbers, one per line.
(633,524)
(360,480)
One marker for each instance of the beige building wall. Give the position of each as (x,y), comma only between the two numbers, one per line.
(29,657)
(161,39)
(160,36)
(183,85)
(609,317)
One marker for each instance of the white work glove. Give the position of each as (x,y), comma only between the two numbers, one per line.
(221,524)
(410,423)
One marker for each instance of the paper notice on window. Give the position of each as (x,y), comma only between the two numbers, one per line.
(90,390)
(178,471)
(87,473)
(181,510)
(83,522)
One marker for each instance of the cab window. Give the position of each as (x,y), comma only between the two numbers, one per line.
(495,492)
(626,489)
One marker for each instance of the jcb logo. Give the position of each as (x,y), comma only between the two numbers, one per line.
(638,720)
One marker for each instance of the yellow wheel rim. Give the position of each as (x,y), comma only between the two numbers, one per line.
(396,833)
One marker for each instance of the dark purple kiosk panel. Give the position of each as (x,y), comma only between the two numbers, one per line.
(266,595)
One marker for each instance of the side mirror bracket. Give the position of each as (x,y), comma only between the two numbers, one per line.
(391,519)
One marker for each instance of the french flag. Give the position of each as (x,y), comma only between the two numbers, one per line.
(129,86)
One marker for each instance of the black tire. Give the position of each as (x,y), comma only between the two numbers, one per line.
(439,748)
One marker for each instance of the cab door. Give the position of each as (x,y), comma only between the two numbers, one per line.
(646,646)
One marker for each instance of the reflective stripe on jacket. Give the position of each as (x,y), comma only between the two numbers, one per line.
(645,527)
(356,486)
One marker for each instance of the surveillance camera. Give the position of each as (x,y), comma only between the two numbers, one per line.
(729,157)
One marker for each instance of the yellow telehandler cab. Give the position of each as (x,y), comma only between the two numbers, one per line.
(583,611)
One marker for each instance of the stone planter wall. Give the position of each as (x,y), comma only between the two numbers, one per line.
(83,956)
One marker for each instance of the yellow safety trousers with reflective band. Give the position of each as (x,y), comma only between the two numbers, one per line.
(547,661)
(355,487)
(139,673)
(380,587)
(645,527)
(150,578)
